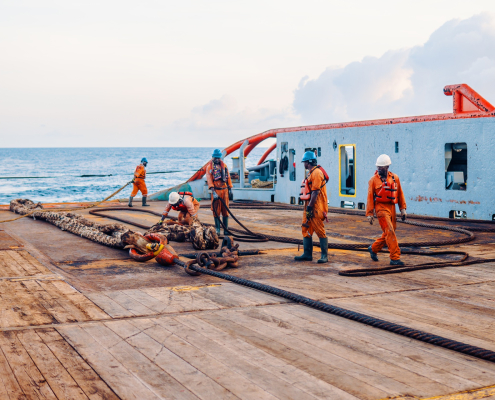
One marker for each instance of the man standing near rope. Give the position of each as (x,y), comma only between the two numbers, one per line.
(220,184)
(384,192)
(315,210)
(185,204)
(138,182)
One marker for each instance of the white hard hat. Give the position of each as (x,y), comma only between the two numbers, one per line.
(173,198)
(383,161)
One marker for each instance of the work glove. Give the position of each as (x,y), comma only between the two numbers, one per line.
(309,212)
(230,193)
(403,214)
(215,195)
(133,180)
(370,219)
(160,222)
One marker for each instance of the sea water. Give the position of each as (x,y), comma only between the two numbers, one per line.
(89,174)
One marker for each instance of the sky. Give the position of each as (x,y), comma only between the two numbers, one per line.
(194,73)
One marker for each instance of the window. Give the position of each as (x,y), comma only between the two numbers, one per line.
(361,206)
(396,147)
(347,174)
(292,165)
(455,166)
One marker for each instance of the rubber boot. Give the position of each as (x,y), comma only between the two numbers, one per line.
(373,255)
(225,221)
(324,251)
(130,201)
(217,225)
(144,202)
(308,250)
(396,262)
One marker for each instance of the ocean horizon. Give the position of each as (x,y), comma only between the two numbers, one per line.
(72,174)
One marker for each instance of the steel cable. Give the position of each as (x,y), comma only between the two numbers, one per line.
(402,330)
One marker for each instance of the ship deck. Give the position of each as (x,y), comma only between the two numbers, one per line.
(79,320)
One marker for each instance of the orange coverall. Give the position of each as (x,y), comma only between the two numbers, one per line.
(316,181)
(187,210)
(139,184)
(220,186)
(386,214)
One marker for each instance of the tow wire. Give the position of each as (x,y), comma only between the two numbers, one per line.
(402,330)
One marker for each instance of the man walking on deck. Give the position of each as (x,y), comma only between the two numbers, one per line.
(138,182)
(315,210)
(220,184)
(185,204)
(384,192)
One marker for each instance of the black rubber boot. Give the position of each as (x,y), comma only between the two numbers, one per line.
(144,202)
(130,201)
(324,251)
(396,262)
(373,255)
(225,221)
(217,225)
(308,250)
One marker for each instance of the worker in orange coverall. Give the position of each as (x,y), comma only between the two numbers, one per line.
(185,204)
(138,182)
(384,192)
(220,184)
(315,210)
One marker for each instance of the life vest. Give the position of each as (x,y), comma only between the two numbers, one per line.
(182,206)
(305,189)
(387,194)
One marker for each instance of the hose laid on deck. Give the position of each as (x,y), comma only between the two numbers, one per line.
(412,333)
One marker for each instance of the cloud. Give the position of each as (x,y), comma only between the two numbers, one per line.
(222,122)
(406,81)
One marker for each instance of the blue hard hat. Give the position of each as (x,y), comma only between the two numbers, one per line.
(309,156)
(144,160)
(217,153)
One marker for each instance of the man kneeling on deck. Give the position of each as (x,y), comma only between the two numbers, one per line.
(185,204)
(384,192)
(315,210)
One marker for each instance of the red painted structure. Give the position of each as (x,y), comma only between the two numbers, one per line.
(467,103)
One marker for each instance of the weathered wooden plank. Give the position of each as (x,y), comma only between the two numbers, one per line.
(10,388)
(280,388)
(361,373)
(116,375)
(194,380)
(33,261)
(176,301)
(343,346)
(112,308)
(311,385)
(87,379)
(156,379)
(135,307)
(31,381)
(55,374)
(8,266)
(237,384)
(87,307)
(365,341)
(28,267)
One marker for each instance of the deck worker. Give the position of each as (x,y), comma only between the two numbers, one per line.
(384,192)
(220,184)
(315,209)
(138,182)
(185,204)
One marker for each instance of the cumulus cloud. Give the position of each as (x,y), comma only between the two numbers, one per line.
(406,81)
